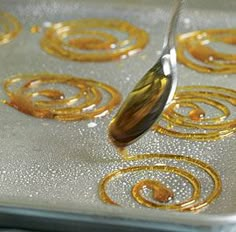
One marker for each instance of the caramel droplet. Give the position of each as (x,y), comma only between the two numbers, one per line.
(35,29)
(197,114)
(52,94)
(160,192)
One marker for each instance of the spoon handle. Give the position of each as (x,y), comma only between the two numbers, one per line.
(169,41)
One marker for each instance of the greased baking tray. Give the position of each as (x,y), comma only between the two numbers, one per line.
(50,171)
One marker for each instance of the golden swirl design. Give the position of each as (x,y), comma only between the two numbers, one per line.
(86,103)
(93,39)
(195,125)
(161,194)
(10,27)
(194,50)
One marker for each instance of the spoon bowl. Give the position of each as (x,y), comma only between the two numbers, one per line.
(150,96)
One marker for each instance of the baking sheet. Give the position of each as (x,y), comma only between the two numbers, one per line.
(53,165)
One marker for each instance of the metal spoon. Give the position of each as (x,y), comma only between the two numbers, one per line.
(151,95)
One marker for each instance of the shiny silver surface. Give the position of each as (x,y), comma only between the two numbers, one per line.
(57,166)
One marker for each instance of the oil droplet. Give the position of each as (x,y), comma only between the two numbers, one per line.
(143,57)
(92,124)
(187,21)
(47,24)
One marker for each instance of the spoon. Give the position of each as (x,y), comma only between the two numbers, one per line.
(151,95)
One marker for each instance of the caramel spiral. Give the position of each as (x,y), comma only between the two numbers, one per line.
(195,124)
(194,50)
(162,194)
(31,96)
(93,39)
(10,27)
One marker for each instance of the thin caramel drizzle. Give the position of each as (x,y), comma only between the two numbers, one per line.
(197,44)
(161,194)
(89,40)
(10,27)
(196,121)
(85,104)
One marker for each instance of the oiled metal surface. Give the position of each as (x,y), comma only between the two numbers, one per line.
(54,165)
